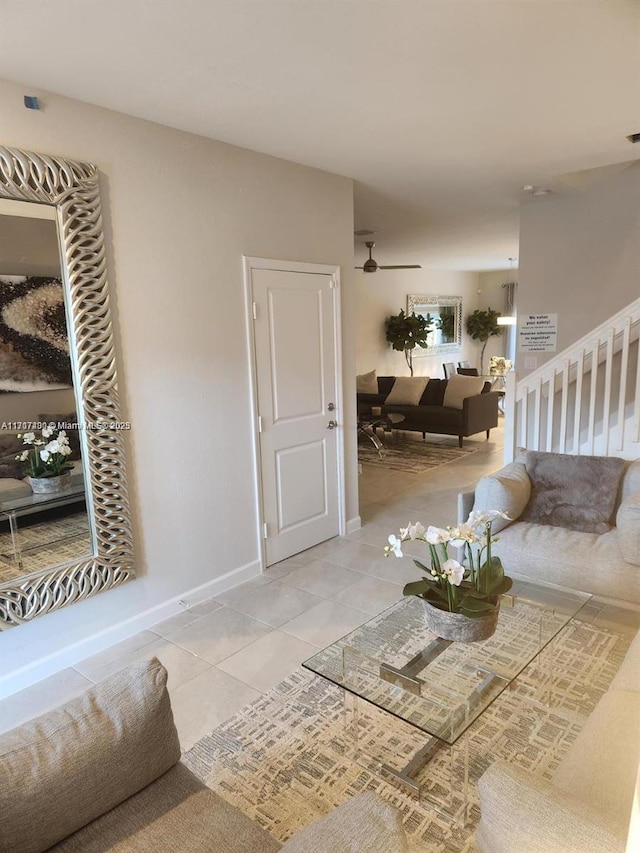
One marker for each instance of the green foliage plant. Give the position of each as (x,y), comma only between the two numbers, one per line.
(405,332)
(482,325)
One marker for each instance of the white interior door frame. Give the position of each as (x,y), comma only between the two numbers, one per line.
(249,264)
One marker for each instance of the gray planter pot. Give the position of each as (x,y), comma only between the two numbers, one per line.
(457,626)
(50,485)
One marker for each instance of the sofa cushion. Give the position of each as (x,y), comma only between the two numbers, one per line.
(584,561)
(364,823)
(507,490)
(628,525)
(434,392)
(176,812)
(407,390)
(523,813)
(367,383)
(459,387)
(13,490)
(67,767)
(577,492)
(10,470)
(601,767)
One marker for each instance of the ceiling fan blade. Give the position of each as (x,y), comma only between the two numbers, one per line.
(401,267)
(358,268)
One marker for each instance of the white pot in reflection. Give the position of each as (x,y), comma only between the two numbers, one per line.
(50,485)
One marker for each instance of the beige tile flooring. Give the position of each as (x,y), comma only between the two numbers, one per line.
(225,652)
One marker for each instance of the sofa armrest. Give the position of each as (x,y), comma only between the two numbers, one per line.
(480,412)
(628,525)
(465,505)
(522,812)
(364,823)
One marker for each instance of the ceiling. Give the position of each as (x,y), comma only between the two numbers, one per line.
(441,111)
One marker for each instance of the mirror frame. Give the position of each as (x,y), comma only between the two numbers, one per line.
(73,189)
(418,304)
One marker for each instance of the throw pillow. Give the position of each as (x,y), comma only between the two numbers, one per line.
(628,524)
(407,391)
(507,490)
(576,492)
(630,480)
(459,387)
(90,753)
(367,383)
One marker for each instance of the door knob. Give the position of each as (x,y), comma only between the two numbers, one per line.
(331,407)
(332,424)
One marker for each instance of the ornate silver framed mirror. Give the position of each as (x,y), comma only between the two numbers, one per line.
(71,191)
(445,315)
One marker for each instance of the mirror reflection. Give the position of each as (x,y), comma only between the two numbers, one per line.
(444,314)
(43,513)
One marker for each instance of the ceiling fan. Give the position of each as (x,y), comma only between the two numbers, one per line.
(372,266)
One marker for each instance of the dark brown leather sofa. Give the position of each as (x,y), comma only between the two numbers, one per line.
(479,413)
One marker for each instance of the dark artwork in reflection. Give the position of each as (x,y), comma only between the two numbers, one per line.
(34,345)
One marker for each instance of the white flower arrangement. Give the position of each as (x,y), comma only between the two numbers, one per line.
(499,365)
(472,587)
(46,455)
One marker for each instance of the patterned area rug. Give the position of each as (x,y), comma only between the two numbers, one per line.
(46,544)
(409,455)
(286,759)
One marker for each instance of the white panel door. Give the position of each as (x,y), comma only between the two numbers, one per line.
(294,335)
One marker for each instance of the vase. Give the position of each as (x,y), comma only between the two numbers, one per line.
(457,626)
(50,485)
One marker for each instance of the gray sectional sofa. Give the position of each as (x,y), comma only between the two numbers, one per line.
(586,807)
(605,563)
(103,773)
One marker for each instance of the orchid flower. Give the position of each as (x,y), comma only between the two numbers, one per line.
(412,531)
(437,535)
(453,571)
(394,547)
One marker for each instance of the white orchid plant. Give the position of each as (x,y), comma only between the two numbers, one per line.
(46,455)
(471,587)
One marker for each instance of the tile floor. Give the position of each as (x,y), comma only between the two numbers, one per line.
(223,653)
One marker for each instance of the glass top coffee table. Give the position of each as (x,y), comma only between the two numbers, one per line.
(368,423)
(440,687)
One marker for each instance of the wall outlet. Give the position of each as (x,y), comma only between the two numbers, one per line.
(530,362)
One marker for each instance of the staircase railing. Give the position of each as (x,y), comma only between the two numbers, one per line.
(585,400)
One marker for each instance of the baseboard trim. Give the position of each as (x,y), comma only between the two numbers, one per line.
(354,524)
(72,654)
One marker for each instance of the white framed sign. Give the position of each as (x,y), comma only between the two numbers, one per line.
(538,333)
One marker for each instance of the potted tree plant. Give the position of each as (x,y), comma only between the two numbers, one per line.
(482,325)
(405,332)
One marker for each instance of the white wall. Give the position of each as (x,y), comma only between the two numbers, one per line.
(179,213)
(380,294)
(580,255)
(493,296)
